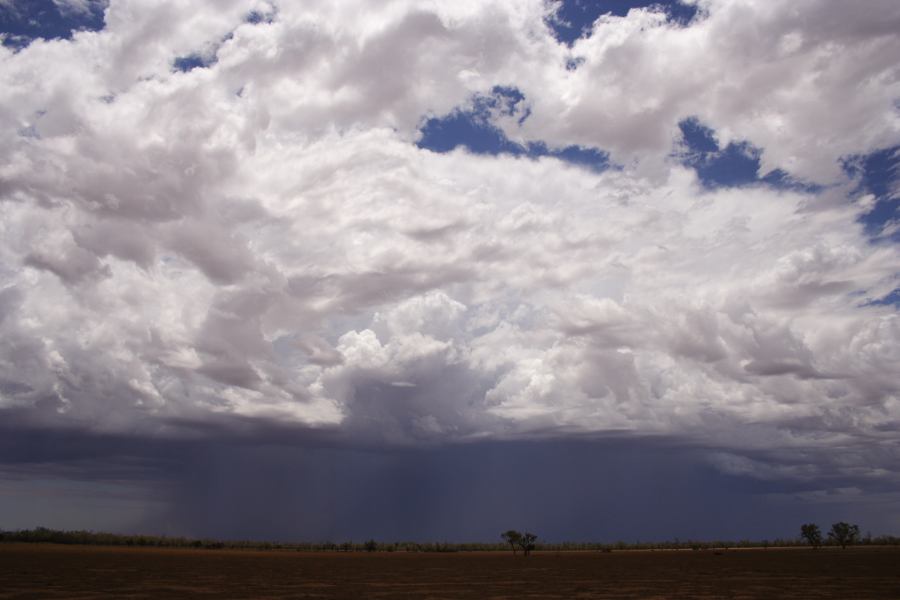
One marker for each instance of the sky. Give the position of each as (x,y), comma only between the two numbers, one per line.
(429,271)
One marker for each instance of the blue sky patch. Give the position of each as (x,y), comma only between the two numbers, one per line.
(575,17)
(255,17)
(574,63)
(473,128)
(734,165)
(191,62)
(468,129)
(591,158)
(878,174)
(891,299)
(27,20)
(698,136)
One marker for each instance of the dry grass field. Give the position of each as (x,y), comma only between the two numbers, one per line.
(82,572)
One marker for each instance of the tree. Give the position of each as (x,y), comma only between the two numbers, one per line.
(371,546)
(812,534)
(844,533)
(512,537)
(527,542)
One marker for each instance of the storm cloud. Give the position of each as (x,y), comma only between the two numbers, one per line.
(221,237)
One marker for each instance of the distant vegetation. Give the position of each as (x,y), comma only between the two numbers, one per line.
(838,536)
(525,541)
(844,534)
(812,534)
(512,537)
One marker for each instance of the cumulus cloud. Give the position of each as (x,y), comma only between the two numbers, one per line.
(259,239)
(808,83)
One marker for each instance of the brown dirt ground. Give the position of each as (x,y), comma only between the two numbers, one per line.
(83,572)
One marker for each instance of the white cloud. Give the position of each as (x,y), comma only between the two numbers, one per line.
(807,82)
(261,238)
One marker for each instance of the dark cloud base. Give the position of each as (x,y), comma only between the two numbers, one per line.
(592,490)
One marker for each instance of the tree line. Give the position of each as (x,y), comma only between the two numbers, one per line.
(841,534)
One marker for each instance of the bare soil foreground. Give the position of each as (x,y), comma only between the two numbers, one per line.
(51,571)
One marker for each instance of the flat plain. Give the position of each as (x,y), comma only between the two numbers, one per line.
(83,572)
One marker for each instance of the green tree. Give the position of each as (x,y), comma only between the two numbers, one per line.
(371,546)
(512,537)
(844,534)
(812,534)
(527,542)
